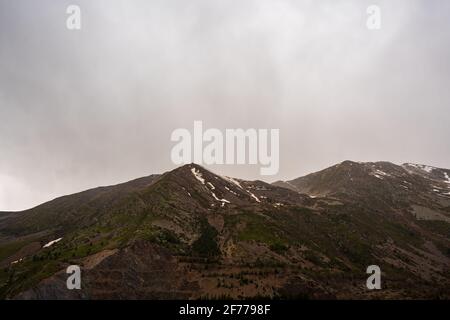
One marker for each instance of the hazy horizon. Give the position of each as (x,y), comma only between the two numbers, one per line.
(96,106)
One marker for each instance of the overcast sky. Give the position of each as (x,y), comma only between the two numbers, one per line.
(79,109)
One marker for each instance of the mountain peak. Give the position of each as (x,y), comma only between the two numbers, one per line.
(349,163)
(188,167)
(382,182)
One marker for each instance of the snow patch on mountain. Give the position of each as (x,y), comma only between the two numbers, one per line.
(253,196)
(17,261)
(277,204)
(379,174)
(221,200)
(234,181)
(447,178)
(49,244)
(422,167)
(228,189)
(198,175)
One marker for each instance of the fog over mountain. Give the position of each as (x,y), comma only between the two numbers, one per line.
(97,106)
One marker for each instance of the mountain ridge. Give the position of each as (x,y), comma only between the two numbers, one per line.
(236,238)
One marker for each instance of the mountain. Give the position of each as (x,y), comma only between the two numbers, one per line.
(190,233)
(382,186)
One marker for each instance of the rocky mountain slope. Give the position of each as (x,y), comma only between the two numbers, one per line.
(190,233)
